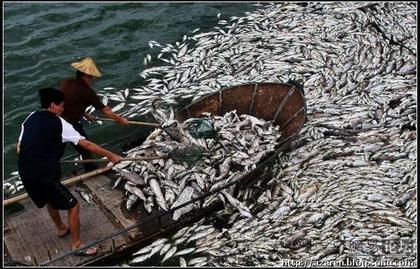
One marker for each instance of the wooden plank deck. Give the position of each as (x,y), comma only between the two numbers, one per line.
(30,234)
(112,201)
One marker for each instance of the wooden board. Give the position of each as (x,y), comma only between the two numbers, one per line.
(30,233)
(113,201)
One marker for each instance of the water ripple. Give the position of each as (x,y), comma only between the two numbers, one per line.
(41,39)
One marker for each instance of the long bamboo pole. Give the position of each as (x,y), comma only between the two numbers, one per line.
(107,160)
(66,182)
(148,124)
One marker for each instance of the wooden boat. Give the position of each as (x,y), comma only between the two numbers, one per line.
(284,104)
(106,223)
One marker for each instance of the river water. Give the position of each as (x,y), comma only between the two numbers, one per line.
(42,39)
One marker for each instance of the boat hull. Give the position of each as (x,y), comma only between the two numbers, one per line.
(282,103)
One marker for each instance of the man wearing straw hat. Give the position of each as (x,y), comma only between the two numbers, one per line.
(40,148)
(79,95)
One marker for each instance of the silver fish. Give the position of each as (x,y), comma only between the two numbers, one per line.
(243,209)
(160,199)
(169,254)
(184,197)
(184,251)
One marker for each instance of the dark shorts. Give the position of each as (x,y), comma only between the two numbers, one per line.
(54,193)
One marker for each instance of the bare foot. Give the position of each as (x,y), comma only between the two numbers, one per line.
(62,231)
(85,252)
(77,244)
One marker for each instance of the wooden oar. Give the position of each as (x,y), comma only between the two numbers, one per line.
(107,160)
(65,182)
(148,124)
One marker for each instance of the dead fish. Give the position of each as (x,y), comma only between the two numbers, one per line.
(83,194)
(148,204)
(134,190)
(201,234)
(404,198)
(169,254)
(117,182)
(281,211)
(180,233)
(180,241)
(182,262)
(165,248)
(197,260)
(140,258)
(156,249)
(244,210)
(159,242)
(118,107)
(160,199)
(143,250)
(184,197)
(184,251)
(132,199)
(132,177)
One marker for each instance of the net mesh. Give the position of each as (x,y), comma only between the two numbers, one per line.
(187,154)
(201,128)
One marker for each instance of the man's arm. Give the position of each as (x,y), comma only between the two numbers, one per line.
(18,147)
(90,146)
(69,134)
(110,114)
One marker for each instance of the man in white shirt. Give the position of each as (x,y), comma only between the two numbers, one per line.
(40,148)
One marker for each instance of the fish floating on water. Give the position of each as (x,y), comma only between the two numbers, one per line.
(350,175)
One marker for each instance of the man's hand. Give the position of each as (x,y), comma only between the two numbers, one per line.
(110,114)
(115,158)
(123,121)
(92,147)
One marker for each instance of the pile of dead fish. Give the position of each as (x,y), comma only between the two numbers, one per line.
(238,145)
(348,188)
(12,187)
(187,242)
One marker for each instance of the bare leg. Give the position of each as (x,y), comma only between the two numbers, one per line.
(74,225)
(55,216)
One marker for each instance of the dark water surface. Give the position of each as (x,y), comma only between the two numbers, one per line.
(42,39)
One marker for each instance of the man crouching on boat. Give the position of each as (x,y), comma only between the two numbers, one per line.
(40,148)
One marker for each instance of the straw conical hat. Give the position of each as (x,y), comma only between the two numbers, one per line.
(88,67)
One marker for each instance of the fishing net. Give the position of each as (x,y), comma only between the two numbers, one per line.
(187,154)
(201,128)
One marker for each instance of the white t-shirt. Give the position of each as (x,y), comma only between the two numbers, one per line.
(69,134)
